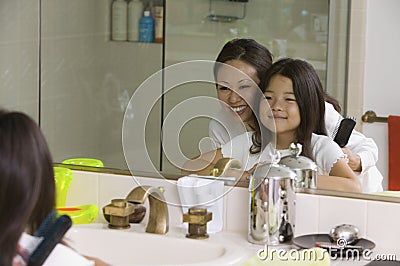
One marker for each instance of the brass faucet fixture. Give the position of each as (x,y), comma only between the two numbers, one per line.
(222,166)
(158,221)
(197,218)
(118,212)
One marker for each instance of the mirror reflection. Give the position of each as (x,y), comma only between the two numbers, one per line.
(80,83)
(290,111)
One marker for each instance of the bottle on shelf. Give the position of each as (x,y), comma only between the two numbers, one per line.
(135,11)
(159,21)
(146,24)
(119,20)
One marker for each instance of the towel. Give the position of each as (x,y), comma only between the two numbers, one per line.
(394,152)
(305,257)
(60,256)
(194,191)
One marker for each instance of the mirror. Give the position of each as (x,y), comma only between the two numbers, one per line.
(60,66)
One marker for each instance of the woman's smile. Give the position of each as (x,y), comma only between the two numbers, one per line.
(239,110)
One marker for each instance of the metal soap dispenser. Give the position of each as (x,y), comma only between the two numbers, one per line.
(305,168)
(272,199)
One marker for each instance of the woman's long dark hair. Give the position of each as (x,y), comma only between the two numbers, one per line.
(246,50)
(27,188)
(309,95)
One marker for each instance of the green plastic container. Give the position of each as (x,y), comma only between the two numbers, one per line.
(63,178)
(83,214)
(84,162)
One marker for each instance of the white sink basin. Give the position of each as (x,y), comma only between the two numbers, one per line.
(127,247)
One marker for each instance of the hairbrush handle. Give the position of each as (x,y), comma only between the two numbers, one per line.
(344,131)
(46,224)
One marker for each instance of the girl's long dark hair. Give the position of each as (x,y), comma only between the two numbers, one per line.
(309,96)
(27,188)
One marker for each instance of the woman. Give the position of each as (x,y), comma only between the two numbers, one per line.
(27,188)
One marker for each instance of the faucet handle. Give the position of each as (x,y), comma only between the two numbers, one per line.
(197,217)
(118,212)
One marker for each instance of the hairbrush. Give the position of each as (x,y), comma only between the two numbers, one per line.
(344,130)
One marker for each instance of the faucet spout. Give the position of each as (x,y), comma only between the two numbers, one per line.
(158,222)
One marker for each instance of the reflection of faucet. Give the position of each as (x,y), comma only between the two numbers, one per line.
(223,165)
(158,217)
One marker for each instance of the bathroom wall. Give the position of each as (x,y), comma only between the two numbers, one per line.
(19,64)
(301,25)
(381,79)
(84,80)
(87,81)
(373,62)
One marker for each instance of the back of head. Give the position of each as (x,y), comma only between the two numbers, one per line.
(248,51)
(27,190)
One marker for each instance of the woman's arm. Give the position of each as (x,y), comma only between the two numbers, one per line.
(365,150)
(203,164)
(340,178)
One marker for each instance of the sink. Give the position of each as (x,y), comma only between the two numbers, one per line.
(134,247)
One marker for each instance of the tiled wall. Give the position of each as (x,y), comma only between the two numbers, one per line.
(356,61)
(377,221)
(88,80)
(19,64)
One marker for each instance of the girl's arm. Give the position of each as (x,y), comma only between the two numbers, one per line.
(340,178)
(206,162)
(203,164)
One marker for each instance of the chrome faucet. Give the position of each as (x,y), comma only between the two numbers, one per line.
(158,222)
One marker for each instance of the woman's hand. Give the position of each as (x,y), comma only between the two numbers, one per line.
(354,160)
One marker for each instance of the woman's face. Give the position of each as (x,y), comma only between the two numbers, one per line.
(237,87)
(279,111)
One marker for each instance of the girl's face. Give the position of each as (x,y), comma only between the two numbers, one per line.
(284,112)
(238,89)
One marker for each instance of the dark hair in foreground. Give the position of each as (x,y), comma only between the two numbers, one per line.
(309,95)
(27,188)
(246,50)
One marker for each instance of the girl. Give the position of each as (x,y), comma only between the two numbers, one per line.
(293,109)
(27,188)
